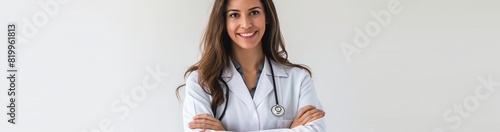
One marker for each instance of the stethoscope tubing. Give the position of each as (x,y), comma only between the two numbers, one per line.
(227,91)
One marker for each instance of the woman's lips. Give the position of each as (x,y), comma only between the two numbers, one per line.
(247,35)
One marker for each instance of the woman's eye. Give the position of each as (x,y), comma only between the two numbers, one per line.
(254,13)
(234,15)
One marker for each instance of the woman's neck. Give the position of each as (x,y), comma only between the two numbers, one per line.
(249,59)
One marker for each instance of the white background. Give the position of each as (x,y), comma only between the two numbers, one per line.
(87,54)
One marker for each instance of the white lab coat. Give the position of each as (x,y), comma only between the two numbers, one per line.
(295,90)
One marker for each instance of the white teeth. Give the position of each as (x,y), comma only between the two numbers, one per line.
(246,34)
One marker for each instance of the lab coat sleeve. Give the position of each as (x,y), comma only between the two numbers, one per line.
(307,97)
(196,101)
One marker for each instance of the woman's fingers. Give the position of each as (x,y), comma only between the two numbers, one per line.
(307,114)
(207,117)
(303,110)
(202,123)
(204,116)
(205,121)
(312,115)
(199,124)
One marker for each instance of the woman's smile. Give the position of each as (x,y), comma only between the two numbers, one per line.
(247,35)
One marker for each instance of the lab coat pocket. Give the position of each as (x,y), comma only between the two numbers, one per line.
(284,123)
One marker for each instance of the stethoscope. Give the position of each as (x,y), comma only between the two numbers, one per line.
(277,109)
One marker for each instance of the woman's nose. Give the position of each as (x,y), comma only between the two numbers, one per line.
(246,22)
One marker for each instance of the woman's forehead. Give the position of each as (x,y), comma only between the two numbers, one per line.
(243,4)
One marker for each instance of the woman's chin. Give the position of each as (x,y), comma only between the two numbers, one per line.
(247,45)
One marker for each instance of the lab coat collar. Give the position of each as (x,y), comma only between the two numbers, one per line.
(279,70)
(264,87)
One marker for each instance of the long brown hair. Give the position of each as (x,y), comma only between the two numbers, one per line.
(216,49)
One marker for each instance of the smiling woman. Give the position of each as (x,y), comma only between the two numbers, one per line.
(244,81)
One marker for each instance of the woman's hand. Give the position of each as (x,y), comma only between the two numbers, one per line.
(206,122)
(307,114)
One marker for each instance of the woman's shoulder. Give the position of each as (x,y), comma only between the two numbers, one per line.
(192,77)
(296,71)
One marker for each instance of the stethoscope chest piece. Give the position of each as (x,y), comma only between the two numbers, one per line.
(278,110)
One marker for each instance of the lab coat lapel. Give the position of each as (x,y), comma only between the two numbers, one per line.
(265,85)
(237,85)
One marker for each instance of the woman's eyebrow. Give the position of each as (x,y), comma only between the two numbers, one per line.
(236,10)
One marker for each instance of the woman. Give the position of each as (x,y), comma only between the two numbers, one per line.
(243,81)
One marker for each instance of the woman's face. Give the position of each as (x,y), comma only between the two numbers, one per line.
(245,22)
